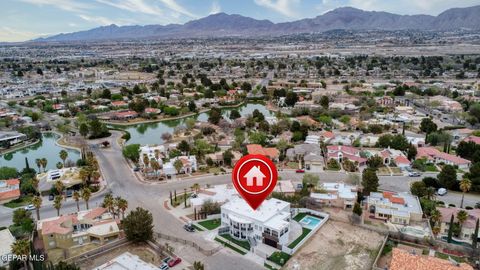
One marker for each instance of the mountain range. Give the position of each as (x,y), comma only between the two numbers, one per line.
(225,25)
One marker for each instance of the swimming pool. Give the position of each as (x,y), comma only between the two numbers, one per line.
(310,222)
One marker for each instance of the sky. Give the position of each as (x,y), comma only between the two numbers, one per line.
(22,20)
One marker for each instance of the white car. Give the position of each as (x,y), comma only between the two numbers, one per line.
(414,174)
(441,191)
(29,207)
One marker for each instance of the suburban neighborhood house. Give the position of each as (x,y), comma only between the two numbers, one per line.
(435,156)
(269,224)
(468,227)
(405,260)
(189,165)
(256,149)
(72,230)
(337,195)
(399,208)
(8,139)
(341,152)
(9,190)
(127,261)
(216,194)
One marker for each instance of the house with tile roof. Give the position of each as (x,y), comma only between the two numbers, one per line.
(399,208)
(472,138)
(270,152)
(9,190)
(468,227)
(404,260)
(341,152)
(435,156)
(76,229)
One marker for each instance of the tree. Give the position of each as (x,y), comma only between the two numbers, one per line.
(448,177)
(132,152)
(450,229)
(192,107)
(138,225)
(357,209)
(375,162)
(258,138)
(234,114)
(462,216)
(59,187)
(325,102)
(178,165)
(109,204)
(8,173)
(86,194)
(121,205)
(83,129)
(37,202)
(106,94)
(39,164)
(435,216)
(428,126)
(214,116)
(465,186)
(310,180)
(166,136)
(418,189)
(190,123)
(21,247)
(44,163)
(198,265)
(411,152)
(291,98)
(57,203)
(475,236)
(183,146)
(369,181)
(76,198)
(227,158)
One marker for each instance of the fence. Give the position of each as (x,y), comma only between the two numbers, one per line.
(94,253)
(324,217)
(206,252)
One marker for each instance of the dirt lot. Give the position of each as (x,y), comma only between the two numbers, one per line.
(338,246)
(143,251)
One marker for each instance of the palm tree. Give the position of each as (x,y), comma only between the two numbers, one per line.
(465,186)
(430,193)
(86,194)
(21,247)
(122,205)
(44,163)
(109,203)
(35,183)
(57,203)
(197,265)
(196,187)
(63,156)
(84,175)
(436,216)
(39,164)
(76,197)
(462,216)
(155,166)
(146,161)
(436,230)
(37,202)
(59,186)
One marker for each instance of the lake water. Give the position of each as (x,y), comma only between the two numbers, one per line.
(150,133)
(44,149)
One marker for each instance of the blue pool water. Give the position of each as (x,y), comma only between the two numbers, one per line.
(310,222)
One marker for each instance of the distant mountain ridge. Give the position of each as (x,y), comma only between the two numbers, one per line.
(222,25)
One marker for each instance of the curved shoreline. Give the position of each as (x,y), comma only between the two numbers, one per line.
(20,148)
(123,124)
(57,142)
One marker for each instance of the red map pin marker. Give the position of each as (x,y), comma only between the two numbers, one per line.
(254,177)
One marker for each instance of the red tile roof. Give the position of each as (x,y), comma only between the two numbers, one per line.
(432,152)
(472,138)
(11,194)
(403,260)
(256,149)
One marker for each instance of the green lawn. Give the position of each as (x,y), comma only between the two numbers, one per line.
(210,224)
(197,228)
(431,168)
(243,244)
(279,257)
(180,199)
(23,201)
(268,266)
(299,216)
(230,246)
(305,231)
(445,257)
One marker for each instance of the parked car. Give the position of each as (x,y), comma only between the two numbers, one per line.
(442,191)
(300,171)
(69,193)
(51,197)
(136,169)
(174,262)
(164,266)
(29,207)
(414,174)
(166,260)
(189,228)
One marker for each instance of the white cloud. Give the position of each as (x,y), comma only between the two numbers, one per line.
(173,5)
(96,19)
(216,8)
(8,34)
(281,6)
(68,5)
(134,6)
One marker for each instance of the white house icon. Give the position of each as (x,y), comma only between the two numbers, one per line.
(255,173)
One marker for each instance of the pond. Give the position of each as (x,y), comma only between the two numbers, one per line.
(150,133)
(46,148)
